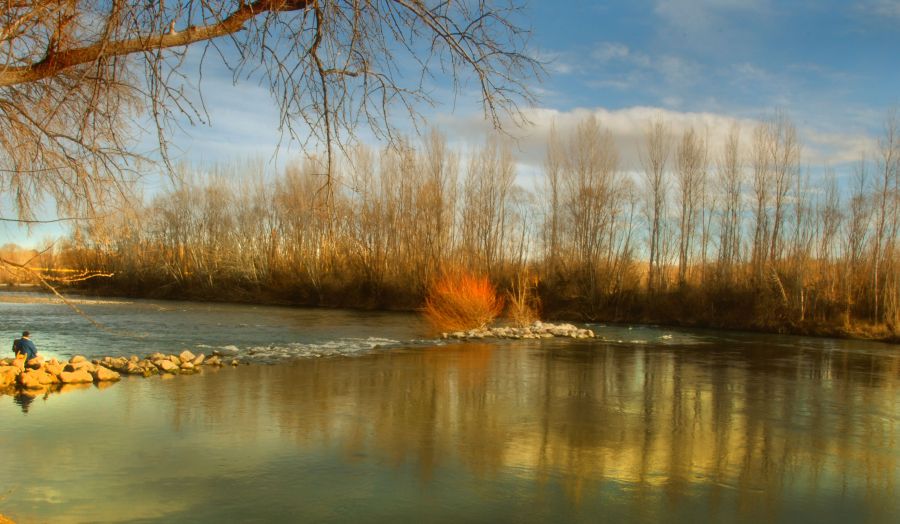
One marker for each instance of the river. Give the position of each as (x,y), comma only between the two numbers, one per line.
(366,417)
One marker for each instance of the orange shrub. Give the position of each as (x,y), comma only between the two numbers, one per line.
(460,301)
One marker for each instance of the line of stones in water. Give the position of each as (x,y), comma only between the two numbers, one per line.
(536,330)
(39,375)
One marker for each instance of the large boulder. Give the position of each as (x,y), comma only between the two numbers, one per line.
(167,366)
(53,366)
(133,368)
(8,375)
(198,360)
(213,361)
(76,359)
(79,376)
(186,356)
(36,379)
(35,363)
(102,374)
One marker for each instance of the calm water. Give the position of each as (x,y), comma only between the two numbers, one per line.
(367,420)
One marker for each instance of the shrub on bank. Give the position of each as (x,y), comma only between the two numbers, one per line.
(459,301)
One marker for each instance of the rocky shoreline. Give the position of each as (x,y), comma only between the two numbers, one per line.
(39,376)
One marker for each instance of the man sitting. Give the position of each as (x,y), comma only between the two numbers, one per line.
(24,346)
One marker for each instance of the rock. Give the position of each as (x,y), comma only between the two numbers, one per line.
(156,356)
(19,364)
(119,363)
(134,358)
(81,364)
(102,374)
(234,362)
(132,368)
(186,356)
(198,360)
(8,375)
(187,367)
(80,376)
(213,361)
(76,359)
(30,380)
(54,368)
(167,366)
(35,363)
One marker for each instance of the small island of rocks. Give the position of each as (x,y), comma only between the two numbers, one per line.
(38,375)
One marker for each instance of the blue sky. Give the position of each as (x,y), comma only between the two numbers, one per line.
(832,66)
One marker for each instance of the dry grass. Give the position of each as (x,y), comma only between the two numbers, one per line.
(523,306)
(460,301)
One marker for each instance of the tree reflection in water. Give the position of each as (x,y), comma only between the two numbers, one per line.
(747,429)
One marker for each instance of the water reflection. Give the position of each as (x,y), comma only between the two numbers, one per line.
(648,433)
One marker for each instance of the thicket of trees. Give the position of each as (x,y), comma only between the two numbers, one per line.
(735,235)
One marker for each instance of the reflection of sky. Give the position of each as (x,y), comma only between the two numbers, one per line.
(523,432)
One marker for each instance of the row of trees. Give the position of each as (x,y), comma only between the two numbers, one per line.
(735,234)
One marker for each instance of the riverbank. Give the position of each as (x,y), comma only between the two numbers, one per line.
(672,311)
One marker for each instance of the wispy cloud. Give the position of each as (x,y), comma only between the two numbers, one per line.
(880,8)
(705,16)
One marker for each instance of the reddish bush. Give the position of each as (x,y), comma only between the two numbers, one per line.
(460,301)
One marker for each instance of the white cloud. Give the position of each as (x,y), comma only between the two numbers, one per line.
(700,17)
(641,69)
(608,51)
(628,126)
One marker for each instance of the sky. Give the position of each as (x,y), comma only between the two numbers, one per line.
(832,66)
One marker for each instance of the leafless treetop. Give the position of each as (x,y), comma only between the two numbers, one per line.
(76,76)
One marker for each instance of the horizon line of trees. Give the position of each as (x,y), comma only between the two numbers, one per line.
(736,235)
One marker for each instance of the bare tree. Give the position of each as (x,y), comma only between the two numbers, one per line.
(77,75)
(784,156)
(762,195)
(654,157)
(730,181)
(885,195)
(690,170)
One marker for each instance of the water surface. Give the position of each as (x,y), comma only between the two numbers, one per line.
(648,425)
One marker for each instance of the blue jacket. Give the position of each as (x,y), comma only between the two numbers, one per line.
(23,345)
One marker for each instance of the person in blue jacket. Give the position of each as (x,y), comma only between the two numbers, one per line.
(24,346)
